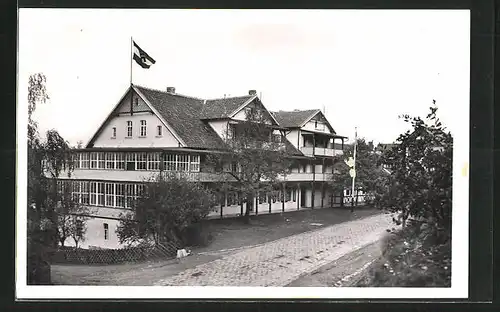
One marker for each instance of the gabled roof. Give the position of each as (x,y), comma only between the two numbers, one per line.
(182,113)
(224,108)
(296,118)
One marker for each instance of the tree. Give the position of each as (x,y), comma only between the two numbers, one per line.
(254,157)
(166,207)
(421,179)
(70,216)
(46,160)
(368,169)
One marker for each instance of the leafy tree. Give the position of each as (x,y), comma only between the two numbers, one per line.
(254,157)
(47,159)
(369,173)
(70,216)
(421,179)
(167,207)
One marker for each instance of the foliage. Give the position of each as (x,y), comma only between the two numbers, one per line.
(421,179)
(46,160)
(167,207)
(416,256)
(369,174)
(254,157)
(70,222)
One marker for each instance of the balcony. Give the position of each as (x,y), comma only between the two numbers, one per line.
(320,151)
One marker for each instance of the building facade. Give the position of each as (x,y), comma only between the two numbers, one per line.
(151,129)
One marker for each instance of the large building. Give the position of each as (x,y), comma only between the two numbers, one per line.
(151,129)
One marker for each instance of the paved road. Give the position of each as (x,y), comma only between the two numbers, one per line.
(280,262)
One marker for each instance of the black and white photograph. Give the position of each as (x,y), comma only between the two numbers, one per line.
(192,153)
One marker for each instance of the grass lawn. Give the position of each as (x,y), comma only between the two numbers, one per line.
(226,233)
(410,258)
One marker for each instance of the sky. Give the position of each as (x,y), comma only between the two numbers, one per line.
(362,67)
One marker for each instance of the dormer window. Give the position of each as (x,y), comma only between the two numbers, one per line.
(143,128)
(129,129)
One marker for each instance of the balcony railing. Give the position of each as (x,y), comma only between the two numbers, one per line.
(320,151)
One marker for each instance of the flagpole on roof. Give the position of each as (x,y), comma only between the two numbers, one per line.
(131,57)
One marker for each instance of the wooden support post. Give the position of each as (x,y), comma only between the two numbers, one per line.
(222,203)
(257,203)
(298,196)
(241,203)
(283,189)
(269,200)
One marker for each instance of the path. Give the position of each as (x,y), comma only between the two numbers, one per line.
(280,262)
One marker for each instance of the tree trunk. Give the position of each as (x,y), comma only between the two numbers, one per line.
(249,204)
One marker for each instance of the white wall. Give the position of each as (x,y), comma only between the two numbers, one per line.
(219,126)
(322,127)
(105,138)
(95,234)
(295,138)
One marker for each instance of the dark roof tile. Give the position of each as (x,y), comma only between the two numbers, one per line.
(294,118)
(222,108)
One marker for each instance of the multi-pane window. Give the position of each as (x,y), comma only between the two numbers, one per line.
(93,193)
(130,160)
(110,160)
(183,162)
(159,131)
(129,129)
(84,160)
(93,160)
(141,161)
(171,162)
(143,128)
(129,195)
(262,197)
(119,159)
(120,195)
(232,199)
(75,157)
(113,134)
(101,161)
(154,161)
(195,163)
(100,193)
(110,195)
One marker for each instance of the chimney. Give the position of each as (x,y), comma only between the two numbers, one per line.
(170,89)
(252,92)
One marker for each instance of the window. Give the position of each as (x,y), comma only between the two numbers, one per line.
(154,161)
(143,128)
(130,159)
(84,190)
(315,124)
(110,195)
(113,135)
(159,131)
(101,161)
(141,161)
(129,195)
(120,195)
(100,193)
(79,227)
(75,157)
(183,162)
(262,197)
(110,160)
(129,129)
(171,162)
(84,160)
(119,161)
(136,101)
(93,160)
(234,167)
(106,231)
(294,195)
(232,199)
(93,193)
(276,138)
(195,163)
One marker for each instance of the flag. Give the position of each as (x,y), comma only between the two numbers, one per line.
(141,57)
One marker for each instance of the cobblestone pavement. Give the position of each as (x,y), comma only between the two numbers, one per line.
(280,262)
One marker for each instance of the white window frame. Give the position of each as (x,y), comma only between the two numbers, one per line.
(143,129)
(153,161)
(141,161)
(194,163)
(129,129)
